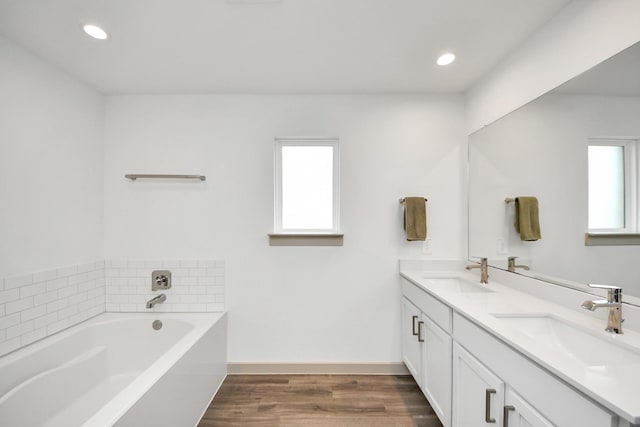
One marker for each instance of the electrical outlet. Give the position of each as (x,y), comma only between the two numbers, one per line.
(426,247)
(501,247)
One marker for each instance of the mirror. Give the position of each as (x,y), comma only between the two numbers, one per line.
(541,150)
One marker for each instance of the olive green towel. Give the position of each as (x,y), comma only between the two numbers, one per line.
(526,219)
(415,218)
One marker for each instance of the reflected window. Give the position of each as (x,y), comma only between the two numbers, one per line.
(612,188)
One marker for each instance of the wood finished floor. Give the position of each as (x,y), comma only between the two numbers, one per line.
(319,400)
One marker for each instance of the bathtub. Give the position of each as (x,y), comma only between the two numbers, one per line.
(116,369)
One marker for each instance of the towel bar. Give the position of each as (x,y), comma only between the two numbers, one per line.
(401,200)
(509,200)
(135,176)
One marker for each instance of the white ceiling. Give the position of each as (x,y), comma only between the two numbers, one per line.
(282,46)
(617,76)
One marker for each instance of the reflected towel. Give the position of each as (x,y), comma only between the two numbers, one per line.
(527,222)
(415,218)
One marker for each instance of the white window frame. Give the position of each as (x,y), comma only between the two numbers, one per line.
(631,162)
(297,142)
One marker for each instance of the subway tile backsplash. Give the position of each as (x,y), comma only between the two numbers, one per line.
(197,285)
(36,305)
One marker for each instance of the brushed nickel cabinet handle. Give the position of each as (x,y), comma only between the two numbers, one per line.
(507,409)
(420,339)
(413,321)
(487,406)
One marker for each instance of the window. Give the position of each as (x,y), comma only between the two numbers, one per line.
(612,185)
(307,186)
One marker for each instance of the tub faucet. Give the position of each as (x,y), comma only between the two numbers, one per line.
(613,302)
(511,264)
(484,271)
(156,300)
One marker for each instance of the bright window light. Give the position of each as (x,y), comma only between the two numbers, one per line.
(606,187)
(95,32)
(306,186)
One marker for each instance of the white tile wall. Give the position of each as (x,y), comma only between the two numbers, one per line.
(35,305)
(197,285)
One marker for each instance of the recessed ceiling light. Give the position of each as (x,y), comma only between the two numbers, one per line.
(95,32)
(446,58)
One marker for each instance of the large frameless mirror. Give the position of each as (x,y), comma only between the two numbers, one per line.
(576,150)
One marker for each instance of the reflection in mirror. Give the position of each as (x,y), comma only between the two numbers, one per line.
(575,149)
(607,181)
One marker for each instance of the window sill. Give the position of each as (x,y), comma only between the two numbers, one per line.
(611,239)
(299,239)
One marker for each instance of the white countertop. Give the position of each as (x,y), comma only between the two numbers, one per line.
(613,386)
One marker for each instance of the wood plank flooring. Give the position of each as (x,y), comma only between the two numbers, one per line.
(319,400)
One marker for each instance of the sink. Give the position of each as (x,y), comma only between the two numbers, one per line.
(472,288)
(585,347)
(461,285)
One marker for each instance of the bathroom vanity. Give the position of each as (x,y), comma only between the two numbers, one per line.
(523,351)
(498,355)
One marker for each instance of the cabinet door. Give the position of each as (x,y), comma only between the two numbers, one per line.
(436,369)
(411,347)
(478,394)
(518,413)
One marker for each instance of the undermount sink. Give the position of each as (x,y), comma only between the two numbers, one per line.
(583,346)
(461,285)
(472,288)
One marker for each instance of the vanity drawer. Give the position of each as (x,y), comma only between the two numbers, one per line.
(553,398)
(439,312)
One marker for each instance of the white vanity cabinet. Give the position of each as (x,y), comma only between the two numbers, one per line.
(537,397)
(518,413)
(436,369)
(411,346)
(482,399)
(472,378)
(478,394)
(427,351)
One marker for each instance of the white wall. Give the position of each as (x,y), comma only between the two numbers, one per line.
(50,166)
(541,150)
(288,304)
(583,34)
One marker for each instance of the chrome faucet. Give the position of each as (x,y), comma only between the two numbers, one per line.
(511,264)
(156,300)
(484,271)
(613,302)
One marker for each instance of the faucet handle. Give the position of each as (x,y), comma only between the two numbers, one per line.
(614,293)
(595,285)
(484,261)
(612,287)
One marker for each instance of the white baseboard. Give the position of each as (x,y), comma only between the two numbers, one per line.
(318,368)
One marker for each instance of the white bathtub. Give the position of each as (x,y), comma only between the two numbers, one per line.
(115,369)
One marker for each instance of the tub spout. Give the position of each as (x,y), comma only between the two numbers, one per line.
(156,300)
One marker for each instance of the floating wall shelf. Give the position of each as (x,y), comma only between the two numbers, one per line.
(134,176)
